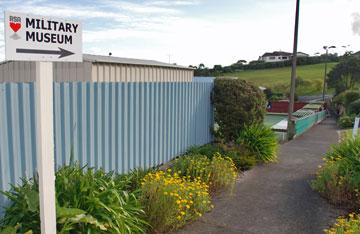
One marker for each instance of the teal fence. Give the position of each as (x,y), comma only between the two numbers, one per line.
(115,126)
(303,124)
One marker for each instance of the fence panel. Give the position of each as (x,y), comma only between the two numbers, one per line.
(115,126)
(307,122)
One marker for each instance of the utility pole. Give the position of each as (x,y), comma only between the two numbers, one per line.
(325,72)
(291,122)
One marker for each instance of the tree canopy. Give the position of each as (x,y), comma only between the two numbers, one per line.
(345,75)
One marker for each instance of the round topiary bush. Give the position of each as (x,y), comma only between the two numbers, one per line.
(237,104)
(354,107)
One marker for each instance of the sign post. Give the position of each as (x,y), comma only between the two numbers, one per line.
(44,40)
(45,143)
(356,127)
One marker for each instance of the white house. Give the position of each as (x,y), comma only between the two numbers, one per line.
(278,56)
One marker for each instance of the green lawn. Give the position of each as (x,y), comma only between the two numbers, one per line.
(278,79)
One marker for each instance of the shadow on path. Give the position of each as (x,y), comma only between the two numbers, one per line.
(277,198)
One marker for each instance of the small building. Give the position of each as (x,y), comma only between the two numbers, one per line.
(98,68)
(276,56)
(279,56)
(302,54)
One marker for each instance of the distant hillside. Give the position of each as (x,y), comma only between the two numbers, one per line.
(278,79)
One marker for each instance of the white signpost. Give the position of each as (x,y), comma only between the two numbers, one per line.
(356,127)
(45,40)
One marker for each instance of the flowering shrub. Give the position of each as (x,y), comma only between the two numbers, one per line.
(345,225)
(170,200)
(219,172)
(339,178)
(223,172)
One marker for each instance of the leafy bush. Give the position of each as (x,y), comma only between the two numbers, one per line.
(87,201)
(339,179)
(345,225)
(241,157)
(208,150)
(242,160)
(351,96)
(237,103)
(345,121)
(354,107)
(132,180)
(171,200)
(339,99)
(260,141)
(218,173)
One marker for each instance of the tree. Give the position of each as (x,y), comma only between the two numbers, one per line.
(201,66)
(345,74)
(241,61)
(237,104)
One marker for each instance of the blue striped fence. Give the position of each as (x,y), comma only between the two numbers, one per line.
(115,126)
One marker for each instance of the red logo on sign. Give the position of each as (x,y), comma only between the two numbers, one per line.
(15,26)
(15,23)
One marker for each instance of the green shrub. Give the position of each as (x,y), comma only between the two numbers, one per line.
(243,161)
(339,99)
(241,157)
(236,104)
(218,172)
(132,180)
(87,201)
(260,141)
(208,150)
(339,178)
(171,200)
(354,107)
(351,96)
(346,121)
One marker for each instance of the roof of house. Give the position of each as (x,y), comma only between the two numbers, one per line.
(277,53)
(299,52)
(130,61)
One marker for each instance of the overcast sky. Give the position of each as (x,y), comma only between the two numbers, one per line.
(201,31)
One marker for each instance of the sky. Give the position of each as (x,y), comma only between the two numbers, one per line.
(190,32)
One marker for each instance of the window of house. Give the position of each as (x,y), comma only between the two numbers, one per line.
(284,57)
(271,58)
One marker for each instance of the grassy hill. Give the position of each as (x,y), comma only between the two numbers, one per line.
(278,79)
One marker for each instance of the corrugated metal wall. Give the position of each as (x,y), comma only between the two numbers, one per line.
(116,126)
(107,72)
(20,71)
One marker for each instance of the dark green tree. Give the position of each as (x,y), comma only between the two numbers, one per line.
(237,104)
(345,75)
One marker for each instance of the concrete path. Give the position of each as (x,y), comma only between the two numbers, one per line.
(276,198)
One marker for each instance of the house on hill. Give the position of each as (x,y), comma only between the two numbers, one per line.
(278,56)
(357,54)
